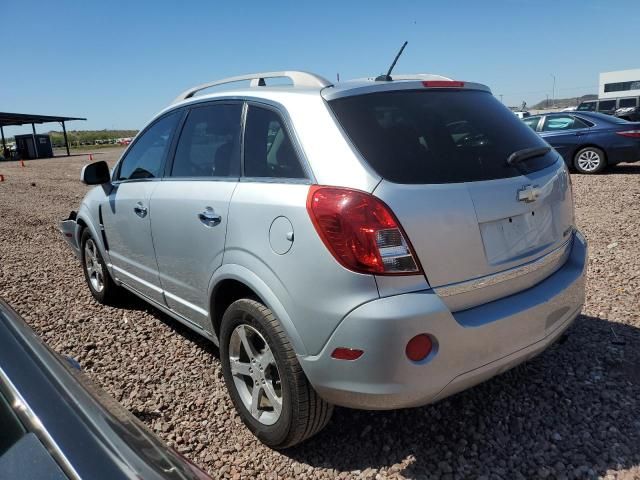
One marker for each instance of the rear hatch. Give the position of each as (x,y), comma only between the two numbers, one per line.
(473,219)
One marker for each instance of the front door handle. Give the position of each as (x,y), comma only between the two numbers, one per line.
(140,210)
(209,217)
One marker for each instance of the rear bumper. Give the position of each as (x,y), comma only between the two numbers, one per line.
(470,346)
(70,229)
(627,152)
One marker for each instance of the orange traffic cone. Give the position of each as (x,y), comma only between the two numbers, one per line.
(22,163)
(91,157)
(1,178)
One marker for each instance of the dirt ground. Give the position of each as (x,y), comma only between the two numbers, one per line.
(573,412)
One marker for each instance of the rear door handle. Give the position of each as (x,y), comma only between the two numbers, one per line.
(140,210)
(209,217)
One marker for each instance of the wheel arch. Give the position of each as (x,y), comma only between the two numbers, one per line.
(84,221)
(232,282)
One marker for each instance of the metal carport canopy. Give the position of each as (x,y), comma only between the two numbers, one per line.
(7,119)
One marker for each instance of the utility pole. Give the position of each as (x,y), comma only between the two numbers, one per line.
(553,91)
(501,99)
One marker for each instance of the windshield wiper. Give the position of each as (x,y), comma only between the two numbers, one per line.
(526,154)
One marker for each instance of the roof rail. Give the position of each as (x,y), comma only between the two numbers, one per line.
(299,79)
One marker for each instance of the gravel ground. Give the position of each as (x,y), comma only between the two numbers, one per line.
(573,412)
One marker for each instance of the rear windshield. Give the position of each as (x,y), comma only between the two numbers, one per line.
(438,136)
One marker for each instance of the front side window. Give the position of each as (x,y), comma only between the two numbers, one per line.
(268,151)
(209,144)
(144,159)
(587,107)
(606,105)
(532,122)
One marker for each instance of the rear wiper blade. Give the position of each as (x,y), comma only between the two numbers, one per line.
(526,154)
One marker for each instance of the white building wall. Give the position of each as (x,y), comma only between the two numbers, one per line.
(616,77)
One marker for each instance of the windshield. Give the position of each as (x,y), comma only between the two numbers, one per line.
(438,136)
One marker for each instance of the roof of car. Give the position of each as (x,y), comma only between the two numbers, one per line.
(305,83)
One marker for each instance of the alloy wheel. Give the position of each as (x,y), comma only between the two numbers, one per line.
(255,374)
(93,265)
(589,161)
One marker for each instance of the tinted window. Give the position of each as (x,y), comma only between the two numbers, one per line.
(209,144)
(606,105)
(622,86)
(437,136)
(627,102)
(532,122)
(268,151)
(562,122)
(145,157)
(587,107)
(11,430)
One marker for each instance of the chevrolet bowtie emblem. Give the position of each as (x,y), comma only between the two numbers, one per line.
(528,193)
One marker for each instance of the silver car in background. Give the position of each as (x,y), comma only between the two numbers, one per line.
(369,244)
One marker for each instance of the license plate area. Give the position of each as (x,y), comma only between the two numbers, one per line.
(510,238)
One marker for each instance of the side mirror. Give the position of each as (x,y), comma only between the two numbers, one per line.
(95,173)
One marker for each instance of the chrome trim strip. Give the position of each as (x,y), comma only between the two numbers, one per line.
(34,425)
(496,278)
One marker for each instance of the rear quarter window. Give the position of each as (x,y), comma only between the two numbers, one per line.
(437,136)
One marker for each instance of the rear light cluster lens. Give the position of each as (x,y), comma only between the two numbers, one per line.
(630,133)
(443,84)
(360,231)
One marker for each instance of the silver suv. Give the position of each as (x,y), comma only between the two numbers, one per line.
(370,244)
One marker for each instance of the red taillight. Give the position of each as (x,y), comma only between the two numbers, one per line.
(443,83)
(342,353)
(419,347)
(630,133)
(360,231)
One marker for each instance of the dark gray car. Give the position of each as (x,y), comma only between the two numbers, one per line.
(56,424)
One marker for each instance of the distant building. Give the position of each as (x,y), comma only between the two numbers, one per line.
(623,83)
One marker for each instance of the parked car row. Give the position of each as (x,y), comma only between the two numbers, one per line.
(374,244)
(627,108)
(589,141)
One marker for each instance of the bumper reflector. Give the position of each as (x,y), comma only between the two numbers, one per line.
(346,353)
(419,347)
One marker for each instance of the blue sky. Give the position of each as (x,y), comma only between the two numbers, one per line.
(119,62)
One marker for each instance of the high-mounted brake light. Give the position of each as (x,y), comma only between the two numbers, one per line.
(630,133)
(360,231)
(443,84)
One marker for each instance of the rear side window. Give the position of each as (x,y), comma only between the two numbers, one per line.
(209,144)
(144,158)
(562,122)
(438,136)
(268,151)
(606,105)
(627,102)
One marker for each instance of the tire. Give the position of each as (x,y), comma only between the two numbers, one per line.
(277,374)
(589,160)
(98,279)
